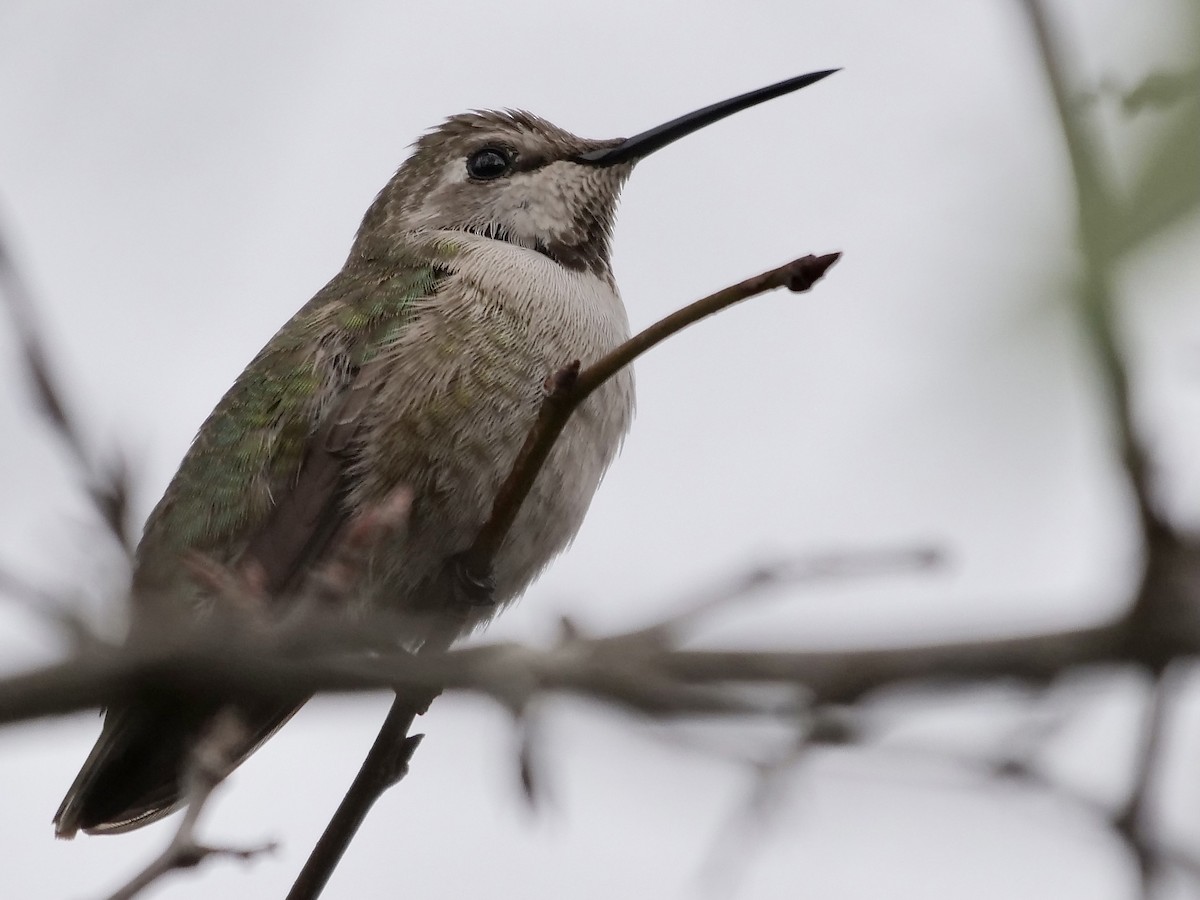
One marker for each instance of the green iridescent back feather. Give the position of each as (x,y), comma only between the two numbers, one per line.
(250,449)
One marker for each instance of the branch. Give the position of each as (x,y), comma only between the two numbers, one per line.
(1133,822)
(655,677)
(107,482)
(1163,620)
(387,761)
(643,669)
(1098,217)
(1166,600)
(567,388)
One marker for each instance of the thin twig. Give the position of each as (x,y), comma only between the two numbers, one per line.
(570,386)
(805,570)
(1133,822)
(107,483)
(566,389)
(744,827)
(385,765)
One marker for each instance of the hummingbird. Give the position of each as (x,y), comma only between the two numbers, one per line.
(480,269)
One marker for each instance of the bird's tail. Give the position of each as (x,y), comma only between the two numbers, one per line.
(133,775)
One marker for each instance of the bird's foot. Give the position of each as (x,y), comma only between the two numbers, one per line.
(474,584)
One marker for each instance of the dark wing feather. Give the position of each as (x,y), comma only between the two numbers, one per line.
(132,776)
(305,520)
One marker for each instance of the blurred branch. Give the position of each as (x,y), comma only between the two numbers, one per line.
(655,677)
(806,570)
(1162,624)
(1133,822)
(651,675)
(212,759)
(1098,213)
(107,482)
(1166,601)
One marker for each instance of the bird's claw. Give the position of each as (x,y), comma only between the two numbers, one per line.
(476,586)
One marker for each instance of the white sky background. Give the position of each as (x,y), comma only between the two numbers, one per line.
(178,178)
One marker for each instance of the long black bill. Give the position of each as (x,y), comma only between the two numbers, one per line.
(641,145)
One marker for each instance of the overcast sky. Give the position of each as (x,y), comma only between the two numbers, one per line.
(177,179)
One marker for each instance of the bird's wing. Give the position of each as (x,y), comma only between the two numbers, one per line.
(263,481)
(265,471)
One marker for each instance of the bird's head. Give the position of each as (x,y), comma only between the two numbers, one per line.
(512,176)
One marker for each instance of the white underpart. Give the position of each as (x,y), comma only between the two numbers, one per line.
(571,314)
(504,319)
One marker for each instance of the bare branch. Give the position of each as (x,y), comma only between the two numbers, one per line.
(1098,215)
(569,387)
(566,389)
(623,669)
(791,572)
(108,483)
(1163,621)
(1134,823)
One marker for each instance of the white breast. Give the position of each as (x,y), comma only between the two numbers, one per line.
(571,315)
(464,389)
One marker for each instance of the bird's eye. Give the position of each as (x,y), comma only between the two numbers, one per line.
(488,163)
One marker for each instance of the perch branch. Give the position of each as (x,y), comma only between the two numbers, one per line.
(566,389)
(570,386)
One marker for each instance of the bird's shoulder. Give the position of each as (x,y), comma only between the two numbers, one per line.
(249,450)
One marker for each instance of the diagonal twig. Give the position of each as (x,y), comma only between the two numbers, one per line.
(566,389)
(570,386)
(108,482)
(806,570)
